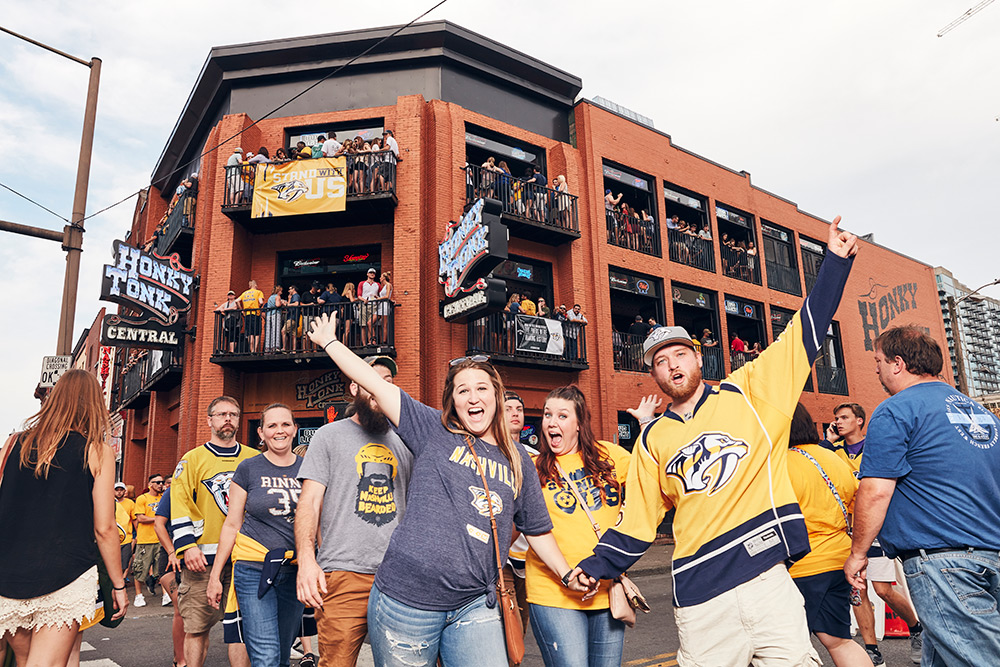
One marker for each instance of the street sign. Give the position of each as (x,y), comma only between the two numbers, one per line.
(53,368)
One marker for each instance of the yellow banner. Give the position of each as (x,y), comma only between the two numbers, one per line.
(299,187)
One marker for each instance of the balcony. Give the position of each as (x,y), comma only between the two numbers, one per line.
(633,233)
(712,366)
(831,380)
(691,250)
(783,278)
(736,263)
(275,338)
(371,187)
(536,342)
(740,359)
(146,371)
(176,234)
(530,211)
(627,350)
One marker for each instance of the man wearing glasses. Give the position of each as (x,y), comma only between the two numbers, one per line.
(199,502)
(147,545)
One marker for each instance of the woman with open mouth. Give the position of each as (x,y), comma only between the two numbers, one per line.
(435,593)
(575,467)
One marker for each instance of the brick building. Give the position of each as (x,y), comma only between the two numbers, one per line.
(454,99)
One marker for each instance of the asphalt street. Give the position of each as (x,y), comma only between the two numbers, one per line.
(143,640)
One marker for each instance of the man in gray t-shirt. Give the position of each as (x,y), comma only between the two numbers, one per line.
(353,496)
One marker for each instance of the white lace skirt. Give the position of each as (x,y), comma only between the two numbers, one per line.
(70,604)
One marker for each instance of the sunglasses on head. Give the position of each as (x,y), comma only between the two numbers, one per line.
(475,358)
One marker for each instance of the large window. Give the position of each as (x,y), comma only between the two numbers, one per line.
(745,323)
(636,304)
(528,277)
(780,317)
(689,234)
(779,254)
(518,156)
(831,378)
(812,257)
(738,244)
(366,129)
(630,209)
(697,311)
(339,266)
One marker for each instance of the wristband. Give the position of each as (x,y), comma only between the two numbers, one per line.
(565,578)
(329,344)
(118,588)
(645,420)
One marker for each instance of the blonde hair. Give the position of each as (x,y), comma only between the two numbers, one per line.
(75,404)
(348,291)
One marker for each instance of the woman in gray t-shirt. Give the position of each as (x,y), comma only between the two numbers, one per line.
(259,533)
(436,584)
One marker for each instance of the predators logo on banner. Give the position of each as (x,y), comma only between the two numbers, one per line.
(300,187)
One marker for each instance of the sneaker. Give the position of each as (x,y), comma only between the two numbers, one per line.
(166,602)
(916,646)
(139,601)
(308,660)
(876,656)
(151,585)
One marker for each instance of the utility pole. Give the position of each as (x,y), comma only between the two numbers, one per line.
(71,237)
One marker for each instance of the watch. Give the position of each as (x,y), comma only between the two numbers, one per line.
(565,578)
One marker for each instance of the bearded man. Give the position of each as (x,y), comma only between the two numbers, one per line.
(717,455)
(354,476)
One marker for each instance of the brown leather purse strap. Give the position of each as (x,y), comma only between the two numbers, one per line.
(489,504)
(579,499)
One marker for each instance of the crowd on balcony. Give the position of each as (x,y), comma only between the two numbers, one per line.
(522,304)
(690,243)
(253,324)
(742,352)
(185,196)
(628,227)
(368,173)
(528,196)
(739,258)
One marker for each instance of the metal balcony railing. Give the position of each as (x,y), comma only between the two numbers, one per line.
(810,280)
(783,278)
(691,250)
(831,380)
(627,350)
(142,371)
(528,340)
(740,265)
(739,359)
(712,365)
(518,197)
(365,327)
(368,175)
(633,233)
(180,218)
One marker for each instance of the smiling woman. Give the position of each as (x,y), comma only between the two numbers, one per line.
(438,582)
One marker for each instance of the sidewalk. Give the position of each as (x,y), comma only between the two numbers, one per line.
(656,560)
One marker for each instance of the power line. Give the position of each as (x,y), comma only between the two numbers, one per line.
(963,18)
(27,198)
(278,108)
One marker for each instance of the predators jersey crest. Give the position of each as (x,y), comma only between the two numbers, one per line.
(218,486)
(479,501)
(289,191)
(708,463)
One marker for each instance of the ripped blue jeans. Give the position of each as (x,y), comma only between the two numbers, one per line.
(404,636)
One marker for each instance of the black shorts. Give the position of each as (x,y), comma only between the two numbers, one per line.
(251,325)
(828,603)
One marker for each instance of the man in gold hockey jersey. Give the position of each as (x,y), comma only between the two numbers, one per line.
(199,503)
(718,455)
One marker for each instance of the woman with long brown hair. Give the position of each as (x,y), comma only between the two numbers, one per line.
(573,465)
(48,559)
(436,584)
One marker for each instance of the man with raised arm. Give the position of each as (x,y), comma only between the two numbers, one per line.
(718,456)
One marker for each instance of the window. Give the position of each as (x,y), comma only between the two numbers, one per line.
(745,323)
(630,210)
(738,244)
(780,318)
(633,295)
(366,129)
(831,378)
(697,311)
(689,233)
(779,257)
(812,257)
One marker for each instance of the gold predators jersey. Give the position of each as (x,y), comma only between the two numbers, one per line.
(725,469)
(199,497)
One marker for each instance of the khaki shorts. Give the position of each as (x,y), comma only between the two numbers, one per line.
(145,558)
(192,600)
(342,622)
(762,621)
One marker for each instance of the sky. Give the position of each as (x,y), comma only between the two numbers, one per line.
(851,108)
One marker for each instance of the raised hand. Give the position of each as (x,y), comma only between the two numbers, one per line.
(323,329)
(646,409)
(840,242)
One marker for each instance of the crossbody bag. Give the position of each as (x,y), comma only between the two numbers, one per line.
(506,598)
(623,595)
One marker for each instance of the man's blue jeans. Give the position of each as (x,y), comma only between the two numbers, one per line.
(575,638)
(270,623)
(956,594)
(404,636)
